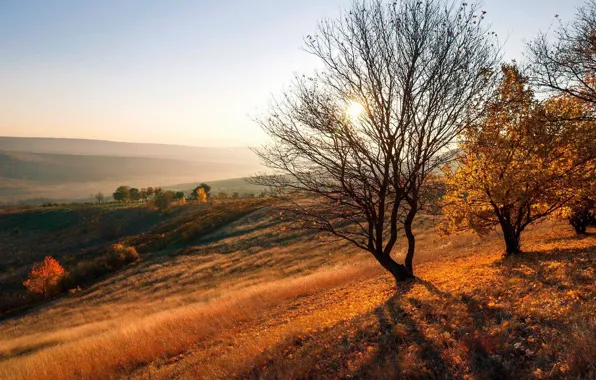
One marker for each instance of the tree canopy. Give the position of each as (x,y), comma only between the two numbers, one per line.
(521,162)
(122,194)
(206,189)
(353,144)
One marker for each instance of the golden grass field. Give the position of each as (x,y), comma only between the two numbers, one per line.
(254,299)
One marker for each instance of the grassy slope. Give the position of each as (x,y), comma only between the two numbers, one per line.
(476,316)
(257,300)
(78,236)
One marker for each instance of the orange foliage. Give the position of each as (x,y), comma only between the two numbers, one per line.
(524,161)
(45,276)
(201,195)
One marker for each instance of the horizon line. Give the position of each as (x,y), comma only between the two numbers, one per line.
(126,142)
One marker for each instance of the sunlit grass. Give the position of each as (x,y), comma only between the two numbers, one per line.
(256,299)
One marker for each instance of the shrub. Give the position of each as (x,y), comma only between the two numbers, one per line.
(201,195)
(121,255)
(117,256)
(45,277)
(163,199)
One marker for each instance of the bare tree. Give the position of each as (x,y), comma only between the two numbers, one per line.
(417,70)
(568,64)
(99,197)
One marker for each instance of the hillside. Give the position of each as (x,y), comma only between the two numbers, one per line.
(39,170)
(230,291)
(86,147)
(79,236)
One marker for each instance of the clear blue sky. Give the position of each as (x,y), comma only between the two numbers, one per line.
(175,71)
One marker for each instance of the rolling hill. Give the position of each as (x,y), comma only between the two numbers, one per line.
(237,155)
(39,170)
(230,290)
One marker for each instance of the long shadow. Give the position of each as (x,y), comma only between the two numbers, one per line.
(323,355)
(216,245)
(484,365)
(576,260)
(387,358)
(254,227)
(433,289)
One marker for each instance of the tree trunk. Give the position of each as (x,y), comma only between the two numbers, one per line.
(580,227)
(579,219)
(398,271)
(411,244)
(512,243)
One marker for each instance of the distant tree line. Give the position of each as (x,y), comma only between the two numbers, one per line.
(163,198)
(131,194)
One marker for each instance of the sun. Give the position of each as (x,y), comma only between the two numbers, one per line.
(354,110)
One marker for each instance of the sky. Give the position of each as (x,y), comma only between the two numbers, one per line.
(189,72)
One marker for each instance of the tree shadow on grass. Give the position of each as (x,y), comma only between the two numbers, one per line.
(480,361)
(433,289)
(552,268)
(392,355)
(386,342)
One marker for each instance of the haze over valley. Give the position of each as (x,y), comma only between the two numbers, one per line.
(37,170)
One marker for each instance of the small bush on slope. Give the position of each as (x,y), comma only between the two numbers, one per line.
(120,255)
(45,277)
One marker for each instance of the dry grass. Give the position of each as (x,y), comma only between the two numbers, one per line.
(125,344)
(256,300)
(80,237)
(474,317)
(470,317)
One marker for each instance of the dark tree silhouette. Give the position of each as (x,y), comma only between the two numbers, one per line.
(99,197)
(143,194)
(583,214)
(418,70)
(150,192)
(134,194)
(122,194)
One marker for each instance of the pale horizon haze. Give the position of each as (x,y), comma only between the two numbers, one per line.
(177,72)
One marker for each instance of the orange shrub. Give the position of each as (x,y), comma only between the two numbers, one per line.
(201,195)
(45,277)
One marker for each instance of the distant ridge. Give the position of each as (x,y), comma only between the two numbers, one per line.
(74,146)
(61,168)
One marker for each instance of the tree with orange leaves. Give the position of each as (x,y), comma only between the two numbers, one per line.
(45,277)
(201,195)
(523,161)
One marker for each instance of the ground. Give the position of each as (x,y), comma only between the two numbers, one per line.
(254,299)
